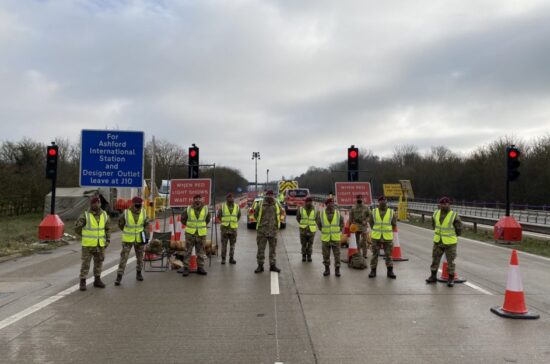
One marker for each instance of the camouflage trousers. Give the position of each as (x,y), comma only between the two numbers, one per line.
(450,253)
(376,246)
(228,236)
(361,239)
(125,252)
(335,247)
(192,240)
(306,239)
(98,254)
(263,240)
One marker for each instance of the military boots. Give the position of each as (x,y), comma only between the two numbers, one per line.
(274,268)
(82,284)
(118,279)
(451,281)
(432,278)
(232,261)
(372,273)
(337,271)
(304,258)
(139,277)
(390,273)
(327,271)
(309,258)
(98,283)
(259,269)
(201,271)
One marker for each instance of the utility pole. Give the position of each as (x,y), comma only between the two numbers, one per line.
(267,178)
(255,157)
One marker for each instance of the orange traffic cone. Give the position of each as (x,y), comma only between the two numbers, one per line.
(445,274)
(396,251)
(193,263)
(172,228)
(514,299)
(352,248)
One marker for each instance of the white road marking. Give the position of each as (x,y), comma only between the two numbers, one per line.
(274,283)
(478,288)
(48,301)
(490,245)
(471,285)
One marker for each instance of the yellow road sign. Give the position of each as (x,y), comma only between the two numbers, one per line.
(392,190)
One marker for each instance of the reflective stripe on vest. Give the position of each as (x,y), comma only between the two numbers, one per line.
(194,224)
(445,232)
(93,234)
(278,213)
(132,230)
(308,221)
(382,226)
(230,218)
(330,231)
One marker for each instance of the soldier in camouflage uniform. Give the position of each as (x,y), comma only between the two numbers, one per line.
(331,224)
(360,215)
(134,224)
(229,215)
(447,227)
(196,218)
(383,220)
(268,221)
(93,227)
(306,219)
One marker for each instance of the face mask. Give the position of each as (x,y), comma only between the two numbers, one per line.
(138,207)
(359,201)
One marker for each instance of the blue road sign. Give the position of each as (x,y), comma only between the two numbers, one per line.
(111,158)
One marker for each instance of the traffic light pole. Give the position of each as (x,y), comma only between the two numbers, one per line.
(54,182)
(507,197)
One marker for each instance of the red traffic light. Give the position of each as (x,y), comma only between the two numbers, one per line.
(353,154)
(52,152)
(192,153)
(513,154)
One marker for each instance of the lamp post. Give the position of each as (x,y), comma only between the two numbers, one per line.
(267,179)
(255,157)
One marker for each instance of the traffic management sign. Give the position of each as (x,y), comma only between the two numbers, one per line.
(183,190)
(392,190)
(111,158)
(346,193)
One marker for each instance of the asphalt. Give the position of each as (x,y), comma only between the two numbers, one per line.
(231,315)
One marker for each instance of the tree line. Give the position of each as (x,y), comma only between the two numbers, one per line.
(477,176)
(23,166)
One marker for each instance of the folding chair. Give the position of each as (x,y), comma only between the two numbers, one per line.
(162,259)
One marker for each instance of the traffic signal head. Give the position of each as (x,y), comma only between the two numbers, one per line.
(51,161)
(512,158)
(193,161)
(353,163)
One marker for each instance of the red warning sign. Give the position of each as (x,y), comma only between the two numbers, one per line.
(346,193)
(183,190)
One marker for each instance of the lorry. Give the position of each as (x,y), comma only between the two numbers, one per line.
(294,199)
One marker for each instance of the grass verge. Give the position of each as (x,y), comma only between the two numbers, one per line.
(529,244)
(19,235)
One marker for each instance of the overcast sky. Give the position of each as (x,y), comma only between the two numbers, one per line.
(298,81)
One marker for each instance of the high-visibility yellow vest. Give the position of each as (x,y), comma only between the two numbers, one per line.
(445,231)
(230,218)
(195,225)
(308,221)
(260,214)
(382,226)
(132,230)
(330,230)
(93,234)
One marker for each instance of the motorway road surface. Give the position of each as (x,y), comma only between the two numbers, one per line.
(235,316)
